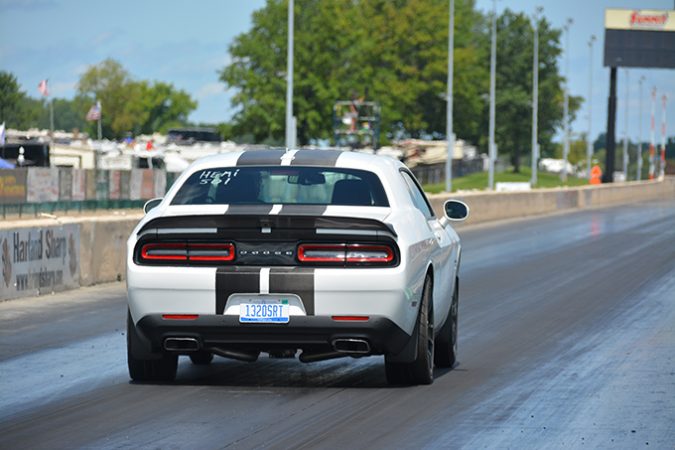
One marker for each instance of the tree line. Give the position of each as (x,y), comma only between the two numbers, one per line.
(128,105)
(393,52)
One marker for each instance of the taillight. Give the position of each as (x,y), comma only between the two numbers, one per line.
(321,252)
(187,252)
(369,253)
(346,253)
(211,252)
(164,252)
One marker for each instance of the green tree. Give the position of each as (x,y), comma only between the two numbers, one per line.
(392,52)
(131,106)
(514,87)
(159,106)
(17,110)
(10,98)
(108,83)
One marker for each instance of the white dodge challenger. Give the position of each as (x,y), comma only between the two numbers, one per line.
(317,252)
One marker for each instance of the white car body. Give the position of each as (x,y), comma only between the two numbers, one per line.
(388,296)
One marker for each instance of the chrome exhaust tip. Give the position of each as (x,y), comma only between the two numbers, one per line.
(181,344)
(359,346)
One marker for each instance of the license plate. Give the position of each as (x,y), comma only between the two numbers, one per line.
(264,311)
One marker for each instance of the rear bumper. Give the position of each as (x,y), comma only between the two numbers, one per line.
(313,333)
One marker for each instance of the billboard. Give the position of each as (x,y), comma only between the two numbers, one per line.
(39,260)
(639,38)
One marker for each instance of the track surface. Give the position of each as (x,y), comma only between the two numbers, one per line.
(567,339)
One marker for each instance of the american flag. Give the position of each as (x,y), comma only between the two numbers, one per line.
(42,87)
(94,112)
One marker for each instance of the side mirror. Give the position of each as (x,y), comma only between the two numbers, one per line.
(151,204)
(456,210)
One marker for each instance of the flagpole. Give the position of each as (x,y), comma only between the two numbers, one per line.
(51,116)
(100,115)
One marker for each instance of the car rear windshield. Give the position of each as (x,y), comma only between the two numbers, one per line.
(282,185)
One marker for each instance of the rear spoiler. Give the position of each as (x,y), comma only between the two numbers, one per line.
(281,226)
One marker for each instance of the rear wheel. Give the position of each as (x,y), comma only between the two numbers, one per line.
(446,341)
(421,370)
(161,369)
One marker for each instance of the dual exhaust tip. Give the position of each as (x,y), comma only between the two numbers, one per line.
(342,346)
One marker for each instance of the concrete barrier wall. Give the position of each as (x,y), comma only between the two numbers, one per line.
(96,253)
(101,240)
(103,243)
(486,207)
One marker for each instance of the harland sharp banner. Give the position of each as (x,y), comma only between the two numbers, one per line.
(39,260)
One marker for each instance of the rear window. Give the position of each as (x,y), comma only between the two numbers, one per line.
(282,185)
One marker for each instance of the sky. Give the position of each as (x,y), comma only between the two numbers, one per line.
(185,43)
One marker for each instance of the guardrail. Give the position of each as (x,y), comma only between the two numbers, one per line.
(35,190)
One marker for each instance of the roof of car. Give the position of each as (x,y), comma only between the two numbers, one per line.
(299,157)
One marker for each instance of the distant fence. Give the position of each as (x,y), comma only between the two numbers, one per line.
(35,190)
(435,173)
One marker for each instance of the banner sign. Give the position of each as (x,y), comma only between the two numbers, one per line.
(640,19)
(148,185)
(114,187)
(43,185)
(39,260)
(79,185)
(160,183)
(13,186)
(65,184)
(90,186)
(125,176)
(135,182)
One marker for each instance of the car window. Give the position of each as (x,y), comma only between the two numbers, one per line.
(282,185)
(417,195)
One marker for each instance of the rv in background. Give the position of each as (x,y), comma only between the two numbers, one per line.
(187,136)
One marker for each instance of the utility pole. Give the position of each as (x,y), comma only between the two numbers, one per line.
(493,68)
(662,168)
(652,138)
(290,123)
(566,125)
(625,131)
(535,97)
(639,155)
(449,133)
(589,139)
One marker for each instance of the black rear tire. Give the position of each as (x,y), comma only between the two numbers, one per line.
(201,358)
(446,340)
(162,369)
(421,370)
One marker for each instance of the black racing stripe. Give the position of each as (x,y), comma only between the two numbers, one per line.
(260,158)
(324,158)
(294,280)
(303,210)
(261,210)
(235,280)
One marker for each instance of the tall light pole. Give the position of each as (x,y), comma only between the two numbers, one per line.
(566,104)
(625,131)
(290,123)
(450,135)
(639,155)
(589,139)
(535,96)
(493,68)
